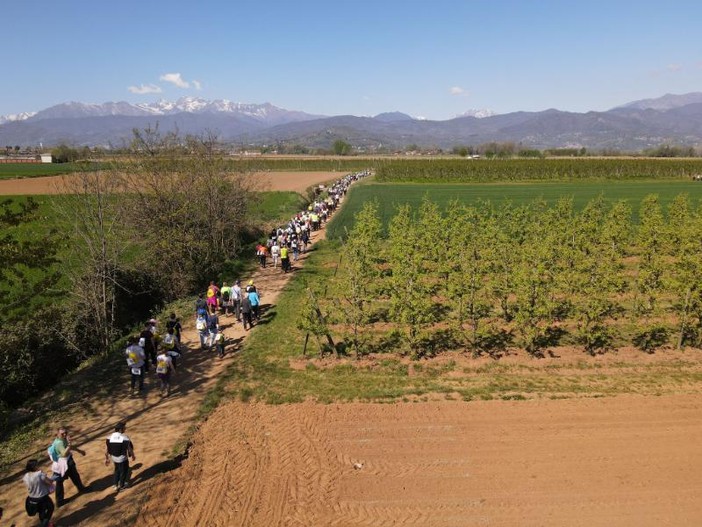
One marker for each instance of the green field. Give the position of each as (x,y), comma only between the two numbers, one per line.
(22,170)
(390,195)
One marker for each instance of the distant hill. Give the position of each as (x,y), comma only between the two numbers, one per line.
(671,119)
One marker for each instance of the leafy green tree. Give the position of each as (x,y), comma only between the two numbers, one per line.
(595,274)
(341,148)
(468,294)
(411,305)
(684,232)
(359,274)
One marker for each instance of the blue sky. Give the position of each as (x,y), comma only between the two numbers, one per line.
(434,59)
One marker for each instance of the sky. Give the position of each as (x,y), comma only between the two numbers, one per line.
(433,59)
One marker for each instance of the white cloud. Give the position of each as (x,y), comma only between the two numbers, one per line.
(145,88)
(458,91)
(175,79)
(674,67)
(197,85)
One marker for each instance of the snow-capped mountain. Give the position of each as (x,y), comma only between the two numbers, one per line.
(265,113)
(478,113)
(16,117)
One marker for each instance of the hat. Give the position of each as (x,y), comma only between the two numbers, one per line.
(250,282)
(153,321)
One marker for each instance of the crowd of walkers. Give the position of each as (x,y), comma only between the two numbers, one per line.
(161,349)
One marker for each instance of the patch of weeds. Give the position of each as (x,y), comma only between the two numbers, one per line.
(513,397)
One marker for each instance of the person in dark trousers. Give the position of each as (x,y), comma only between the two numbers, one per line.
(246,312)
(62,448)
(174,323)
(119,449)
(149,345)
(39,486)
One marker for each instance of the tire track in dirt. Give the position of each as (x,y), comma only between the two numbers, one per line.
(621,461)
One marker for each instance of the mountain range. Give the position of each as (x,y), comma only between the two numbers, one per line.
(670,119)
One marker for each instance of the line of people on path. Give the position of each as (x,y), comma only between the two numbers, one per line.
(286,243)
(161,350)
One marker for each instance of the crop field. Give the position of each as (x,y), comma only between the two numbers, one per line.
(23,170)
(557,169)
(389,196)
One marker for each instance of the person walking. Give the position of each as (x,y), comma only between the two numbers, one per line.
(118,449)
(136,359)
(39,486)
(64,466)
(164,369)
(255,302)
(236,299)
(212,328)
(275,253)
(284,258)
(246,312)
(201,327)
(174,323)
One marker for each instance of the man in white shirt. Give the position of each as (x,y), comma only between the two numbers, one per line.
(118,449)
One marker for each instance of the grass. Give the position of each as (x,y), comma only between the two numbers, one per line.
(24,170)
(389,195)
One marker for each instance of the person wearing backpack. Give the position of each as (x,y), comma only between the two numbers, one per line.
(174,322)
(212,294)
(213,329)
(246,312)
(39,486)
(149,343)
(164,368)
(226,305)
(220,340)
(135,362)
(170,347)
(201,324)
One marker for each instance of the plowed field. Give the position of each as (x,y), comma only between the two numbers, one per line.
(622,461)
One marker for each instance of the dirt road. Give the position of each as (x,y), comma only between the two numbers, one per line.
(626,461)
(295,181)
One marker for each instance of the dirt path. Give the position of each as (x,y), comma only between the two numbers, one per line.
(295,181)
(625,461)
(155,425)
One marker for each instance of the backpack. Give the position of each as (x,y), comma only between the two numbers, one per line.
(132,358)
(225,296)
(162,366)
(169,341)
(201,324)
(210,292)
(53,453)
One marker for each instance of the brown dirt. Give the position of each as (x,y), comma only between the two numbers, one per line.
(621,461)
(295,181)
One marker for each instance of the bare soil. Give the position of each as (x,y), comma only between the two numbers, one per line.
(295,181)
(592,462)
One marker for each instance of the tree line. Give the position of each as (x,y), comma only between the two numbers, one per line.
(485,278)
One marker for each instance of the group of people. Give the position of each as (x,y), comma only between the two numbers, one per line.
(118,451)
(287,242)
(161,350)
(152,348)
